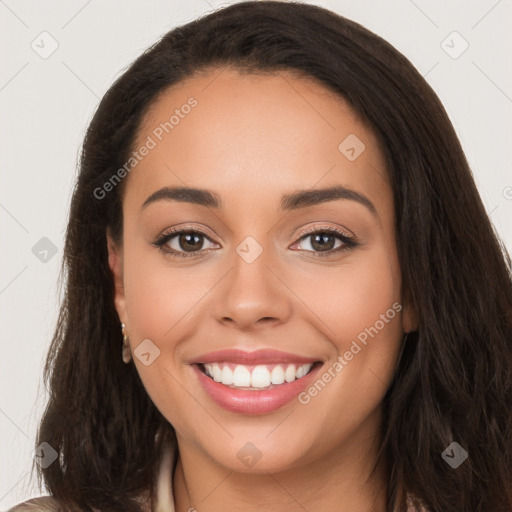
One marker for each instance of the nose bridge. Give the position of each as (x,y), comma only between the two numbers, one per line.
(251,291)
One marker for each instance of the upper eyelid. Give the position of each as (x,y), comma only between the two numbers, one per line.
(172,233)
(339,230)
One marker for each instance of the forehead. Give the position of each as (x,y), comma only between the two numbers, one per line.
(254,132)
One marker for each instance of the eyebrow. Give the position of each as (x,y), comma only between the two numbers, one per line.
(293,201)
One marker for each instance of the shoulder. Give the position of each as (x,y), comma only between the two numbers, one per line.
(41,504)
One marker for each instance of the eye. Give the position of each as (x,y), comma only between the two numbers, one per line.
(182,243)
(323,242)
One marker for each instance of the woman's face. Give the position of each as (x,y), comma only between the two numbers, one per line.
(267,255)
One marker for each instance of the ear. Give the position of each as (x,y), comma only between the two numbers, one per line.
(115,262)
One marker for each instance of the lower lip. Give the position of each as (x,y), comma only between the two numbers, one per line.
(253,402)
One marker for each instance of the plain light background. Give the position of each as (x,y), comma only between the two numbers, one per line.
(47,103)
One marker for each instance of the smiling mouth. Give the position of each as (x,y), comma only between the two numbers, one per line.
(256,377)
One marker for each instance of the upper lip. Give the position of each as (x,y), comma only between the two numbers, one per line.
(262,356)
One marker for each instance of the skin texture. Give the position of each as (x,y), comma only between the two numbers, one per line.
(252,138)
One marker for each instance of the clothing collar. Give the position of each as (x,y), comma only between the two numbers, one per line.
(165,495)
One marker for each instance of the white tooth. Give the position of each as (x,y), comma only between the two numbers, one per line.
(241,376)
(209,369)
(289,374)
(217,372)
(227,375)
(260,377)
(303,370)
(277,376)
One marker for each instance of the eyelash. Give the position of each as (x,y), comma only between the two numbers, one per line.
(349,242)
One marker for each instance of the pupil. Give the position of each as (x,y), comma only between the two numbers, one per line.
(322,244)
(185,241)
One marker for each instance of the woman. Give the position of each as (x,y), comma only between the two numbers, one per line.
(283,290)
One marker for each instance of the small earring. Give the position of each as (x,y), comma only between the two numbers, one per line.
(126,351)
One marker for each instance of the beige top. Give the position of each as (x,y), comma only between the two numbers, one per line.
(165,498)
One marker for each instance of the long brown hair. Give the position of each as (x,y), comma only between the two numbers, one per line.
(454,380)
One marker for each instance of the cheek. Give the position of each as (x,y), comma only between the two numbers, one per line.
(361,317)
(353,297)
(158,296)
(156,300)
(165,303)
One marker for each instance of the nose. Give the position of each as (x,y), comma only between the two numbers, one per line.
(253,295)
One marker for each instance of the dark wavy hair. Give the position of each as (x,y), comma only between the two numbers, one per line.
(454,380)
